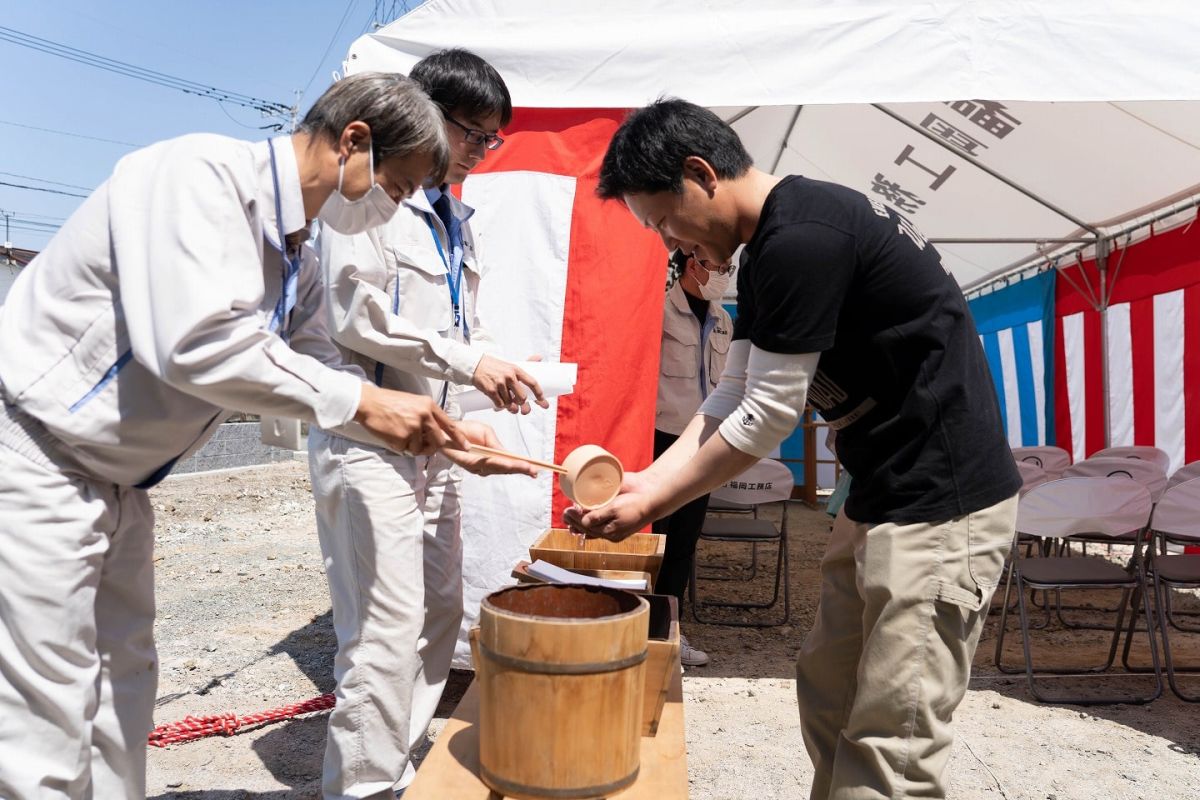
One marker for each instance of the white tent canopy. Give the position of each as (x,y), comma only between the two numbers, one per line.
(1096,133)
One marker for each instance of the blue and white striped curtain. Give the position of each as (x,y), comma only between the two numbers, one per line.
(1016,327)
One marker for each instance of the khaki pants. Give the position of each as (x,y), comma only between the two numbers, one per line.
(78,669)
(889,657)
(389,531)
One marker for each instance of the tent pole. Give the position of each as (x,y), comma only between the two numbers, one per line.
(1102,249)
(787,137)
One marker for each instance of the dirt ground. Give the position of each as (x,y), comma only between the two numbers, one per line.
(244,626)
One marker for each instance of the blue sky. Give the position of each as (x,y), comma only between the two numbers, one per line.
(268,49)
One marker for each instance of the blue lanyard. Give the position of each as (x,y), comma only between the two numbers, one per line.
(710,322)
(291,266)
(454,273)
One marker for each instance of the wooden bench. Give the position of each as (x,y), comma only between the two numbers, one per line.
(451,770)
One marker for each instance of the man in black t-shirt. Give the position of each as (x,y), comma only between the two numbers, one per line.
(843,303)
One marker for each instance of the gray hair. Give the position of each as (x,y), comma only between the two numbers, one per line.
(402,118)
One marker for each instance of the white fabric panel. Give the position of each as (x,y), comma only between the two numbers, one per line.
(1012,392)
(1120,375)
(1169,419)
(522,228)
(1072,327)
(783,52)
(1037,357)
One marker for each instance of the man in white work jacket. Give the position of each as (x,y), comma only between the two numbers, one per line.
(695,341)
(179,289)
(403,303)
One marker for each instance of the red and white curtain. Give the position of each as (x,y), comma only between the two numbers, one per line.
(1151,335)
(571,279)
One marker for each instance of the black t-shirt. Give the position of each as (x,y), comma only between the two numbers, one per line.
(902,375)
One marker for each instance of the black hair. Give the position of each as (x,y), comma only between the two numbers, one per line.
(647,152)
(460,81)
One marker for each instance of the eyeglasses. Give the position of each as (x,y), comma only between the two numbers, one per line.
(724,269)
(475,136)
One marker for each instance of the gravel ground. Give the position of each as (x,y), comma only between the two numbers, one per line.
(244,625)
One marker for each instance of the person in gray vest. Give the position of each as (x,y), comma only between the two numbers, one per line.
(181,289)
(695,341)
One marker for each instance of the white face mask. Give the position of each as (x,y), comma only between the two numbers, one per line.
(355,216)
(716,286)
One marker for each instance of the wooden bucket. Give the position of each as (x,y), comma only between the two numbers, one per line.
(561,670)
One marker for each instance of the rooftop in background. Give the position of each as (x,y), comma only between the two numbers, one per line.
(15,256)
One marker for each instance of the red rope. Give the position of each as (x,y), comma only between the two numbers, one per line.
(190,728)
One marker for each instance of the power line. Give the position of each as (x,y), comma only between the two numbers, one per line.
(44,180)
(69,133)
(16,37)
(40,189)
(328,47)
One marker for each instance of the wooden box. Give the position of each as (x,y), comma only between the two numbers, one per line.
(662,660)
(522,575)
(641,552)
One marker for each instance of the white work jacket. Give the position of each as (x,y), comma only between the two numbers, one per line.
(390,305)
(691,360)
(151,312)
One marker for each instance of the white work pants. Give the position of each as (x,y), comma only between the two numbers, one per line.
(78,668)
(389,531)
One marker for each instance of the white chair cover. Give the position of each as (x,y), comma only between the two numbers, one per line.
(767,481)
(1052,459)
(1178,512)
(1031,475)
(1147,473)
(1068,506)
(1142,452)
(1184,473)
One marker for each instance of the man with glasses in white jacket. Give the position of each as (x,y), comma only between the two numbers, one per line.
(403,301)
(179,290)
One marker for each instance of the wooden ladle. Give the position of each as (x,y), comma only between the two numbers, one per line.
(590,475)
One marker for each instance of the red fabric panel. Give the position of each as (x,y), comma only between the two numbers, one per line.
(612,325)
(1191,372)
(1062,403)
(1141,329)
(560,141)
(1093,379)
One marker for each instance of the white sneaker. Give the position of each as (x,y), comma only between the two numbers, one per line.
(690,656)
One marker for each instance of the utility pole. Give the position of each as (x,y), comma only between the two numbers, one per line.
(7,254)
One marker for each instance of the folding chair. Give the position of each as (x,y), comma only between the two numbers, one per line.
(1177,520)
(1069,507)
(1140,452)
(1031,475)
(766,482)
(1052,459)
(1147,472)
(1185,473)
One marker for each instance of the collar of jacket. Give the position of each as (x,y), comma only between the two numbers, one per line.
(679,299)
(421,202)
